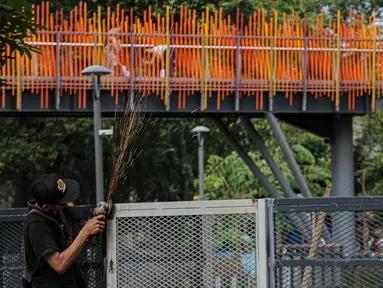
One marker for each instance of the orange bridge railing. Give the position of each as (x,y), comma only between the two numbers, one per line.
(213,55)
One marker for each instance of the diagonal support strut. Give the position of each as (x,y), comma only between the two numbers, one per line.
(249,162)
(260,144)
(288,155)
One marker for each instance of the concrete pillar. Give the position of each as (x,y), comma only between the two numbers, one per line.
(342,177)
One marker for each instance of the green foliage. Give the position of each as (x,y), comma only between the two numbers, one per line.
(32,146)
(331,7)
(230,178)
(368,136)
(16,23)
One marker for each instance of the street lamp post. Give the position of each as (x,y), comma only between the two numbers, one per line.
(200,130)
(96,72)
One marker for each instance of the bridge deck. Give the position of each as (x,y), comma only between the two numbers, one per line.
(207,66)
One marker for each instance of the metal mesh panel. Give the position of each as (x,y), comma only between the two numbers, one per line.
(90,259)
(329,249)
(186,251)
(12,250)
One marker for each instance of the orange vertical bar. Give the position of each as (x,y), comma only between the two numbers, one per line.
(70,53)
(115,72)
(42,58)
(83,55)
(260,63)
(108,60)
(149,66)
(194,56)
(22,64)
(65,60)
(259,60)
(145,66)
(76,53)
(264,55)
(157,63)
(33,55)
(45,57)
(188,51)
(13,74)
(123,49)
(219,54)
(3,73)
(177,60)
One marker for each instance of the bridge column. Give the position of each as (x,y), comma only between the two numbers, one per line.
(342,157)
(342,178)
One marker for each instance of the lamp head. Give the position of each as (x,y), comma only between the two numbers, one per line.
(96,69)
(201,129)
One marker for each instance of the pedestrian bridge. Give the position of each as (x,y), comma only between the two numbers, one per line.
(196,66)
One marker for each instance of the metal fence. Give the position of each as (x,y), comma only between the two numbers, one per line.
(183,244)
(282,243)
(331,242)
(12,248)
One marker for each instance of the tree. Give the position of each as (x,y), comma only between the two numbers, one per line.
(228,177)
(16,24)
(32,146)
(368,136)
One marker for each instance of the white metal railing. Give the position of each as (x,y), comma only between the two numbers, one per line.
(187,244)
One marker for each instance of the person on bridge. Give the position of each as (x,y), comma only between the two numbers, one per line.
(112,57)
(50,261)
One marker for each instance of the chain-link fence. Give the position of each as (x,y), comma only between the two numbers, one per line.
(334,242)
(282,243)
(12,248)
(188,244)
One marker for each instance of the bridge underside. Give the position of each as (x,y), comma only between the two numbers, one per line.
(314,113)
(180,104)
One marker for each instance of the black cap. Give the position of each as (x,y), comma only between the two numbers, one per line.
(51,189)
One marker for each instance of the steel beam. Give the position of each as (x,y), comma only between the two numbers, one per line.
(342,157)
(258,141)
(249,162)
(342,178)
(302,220)
(288,154)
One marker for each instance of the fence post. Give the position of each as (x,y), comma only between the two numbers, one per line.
(271,241)
(111,259)
(262,244)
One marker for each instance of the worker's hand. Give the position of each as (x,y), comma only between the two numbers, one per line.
(94,226)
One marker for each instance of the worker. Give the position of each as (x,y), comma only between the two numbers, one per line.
(50,261)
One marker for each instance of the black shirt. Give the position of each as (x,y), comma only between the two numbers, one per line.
(45,234)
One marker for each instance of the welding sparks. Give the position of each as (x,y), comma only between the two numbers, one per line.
(130,126)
